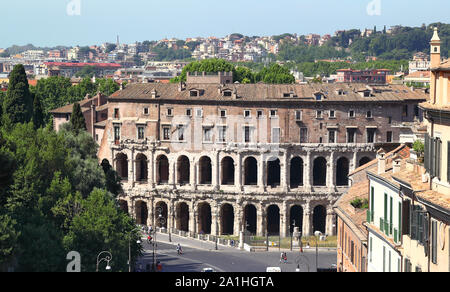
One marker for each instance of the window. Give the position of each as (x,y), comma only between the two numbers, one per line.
(433,154)
(223,113)
(141,133)
(298,115)
(319,114)
(227,93)
(332,114)
(194,93)
(222,133)
(371,135)
(247,113)
(434,242)
(116,113)
(369,114)
(166,133)
(303,135)
(188,112)
(259,114)
(207,134)
(96,137)
(116,133)
(320,140)
(351,114)
(390,120)
(332,136)
(199,113)
(276,135)
(273,113)
(405,111)
(169,112)
(389,137)
(247,134)
(145,110)
(180,133)
(351,135)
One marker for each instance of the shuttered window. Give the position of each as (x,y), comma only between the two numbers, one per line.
(434,242)
(406,218)
(433,155)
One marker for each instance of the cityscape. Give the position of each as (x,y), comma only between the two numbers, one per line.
(248,153)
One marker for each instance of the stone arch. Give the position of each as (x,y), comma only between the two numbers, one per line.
(205,170)
(227,170)
(204,218)
(141,212)
(273,172)
(182,216)
(122,165)
(320,172)
(296,218)
(273,220)
(141,168)
(319,218)
(183,170)
(161,208)
(227,219)
(250,218)
(296,172)
(250,171)
(162,169)
(342,171)
(123,205)
(364,160)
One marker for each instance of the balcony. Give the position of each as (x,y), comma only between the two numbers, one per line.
(369,216)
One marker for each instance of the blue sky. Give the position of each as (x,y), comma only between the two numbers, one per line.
(47,23)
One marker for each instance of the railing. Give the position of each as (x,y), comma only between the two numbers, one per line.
(369,216)
(396,235)
(382,224)
(387,228)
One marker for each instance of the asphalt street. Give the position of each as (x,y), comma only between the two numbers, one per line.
(198,255)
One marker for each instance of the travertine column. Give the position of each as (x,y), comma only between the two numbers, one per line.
(354,164)
(193,219)
(172,173)
(330,172)
(284,220)
(216,171)
(261,220)
(215,220)
(307,220)
(330,221)
(238,172)
(283,164)
(287,172)
(131,166)
(193,174)
(151,170)
(262,173)
(307,169)
(237,219)
(150,219)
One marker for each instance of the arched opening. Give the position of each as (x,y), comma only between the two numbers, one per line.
(123,205)
(342,170)
(296,218)
(320,172)
(250,171)
(204,218)
(227,171)
(250,216)
(319,218)
(227,219)
(205,170)
(296,172)
(273,172)
(183,170)
(141,213)
(273,220)
(182,217)
(162,165)
(141,168)
(161,208)
(122,166)
(364,160)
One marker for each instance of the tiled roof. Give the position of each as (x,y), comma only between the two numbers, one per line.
(444,65)
(271,92)
(439,199)
(68,64)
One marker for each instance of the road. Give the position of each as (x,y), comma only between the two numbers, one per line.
(198,255)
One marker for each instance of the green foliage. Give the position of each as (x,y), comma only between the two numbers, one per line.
(18,104)
(170,54)
(360,203)
(275,74)
(87,72)
(110,48)
(419,147)
(8,238)
(112,178)
(77,119)
(303,53)
(38,115)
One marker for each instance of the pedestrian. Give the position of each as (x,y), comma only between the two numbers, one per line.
(281,257)
(285,258)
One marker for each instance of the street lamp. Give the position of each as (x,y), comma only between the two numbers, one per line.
(317,234)
(107,258)
(161,220)
(129,248)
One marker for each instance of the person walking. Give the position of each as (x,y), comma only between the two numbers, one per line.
(285,257)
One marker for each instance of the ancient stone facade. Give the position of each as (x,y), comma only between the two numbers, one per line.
(220,159)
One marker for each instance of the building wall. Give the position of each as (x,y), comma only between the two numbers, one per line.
(379,252)
(349,244)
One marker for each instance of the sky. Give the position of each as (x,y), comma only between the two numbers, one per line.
(48,23)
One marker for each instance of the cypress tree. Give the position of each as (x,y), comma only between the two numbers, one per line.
(77,119)
(18,103)
(38,116)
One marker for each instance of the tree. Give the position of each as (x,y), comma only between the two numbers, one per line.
(38,115)
(275,74)
(18,103)
(77,119)
(113,184)
(110,48)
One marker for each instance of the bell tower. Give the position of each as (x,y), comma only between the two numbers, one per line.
(435,49)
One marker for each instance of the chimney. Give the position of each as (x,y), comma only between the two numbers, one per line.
(154,93)
(397,165)
(381,155)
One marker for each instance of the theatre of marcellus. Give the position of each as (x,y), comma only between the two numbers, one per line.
(217,157)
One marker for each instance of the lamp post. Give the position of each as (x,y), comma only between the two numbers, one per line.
(316,236)
(161,220)
(129,248)
(107,258)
